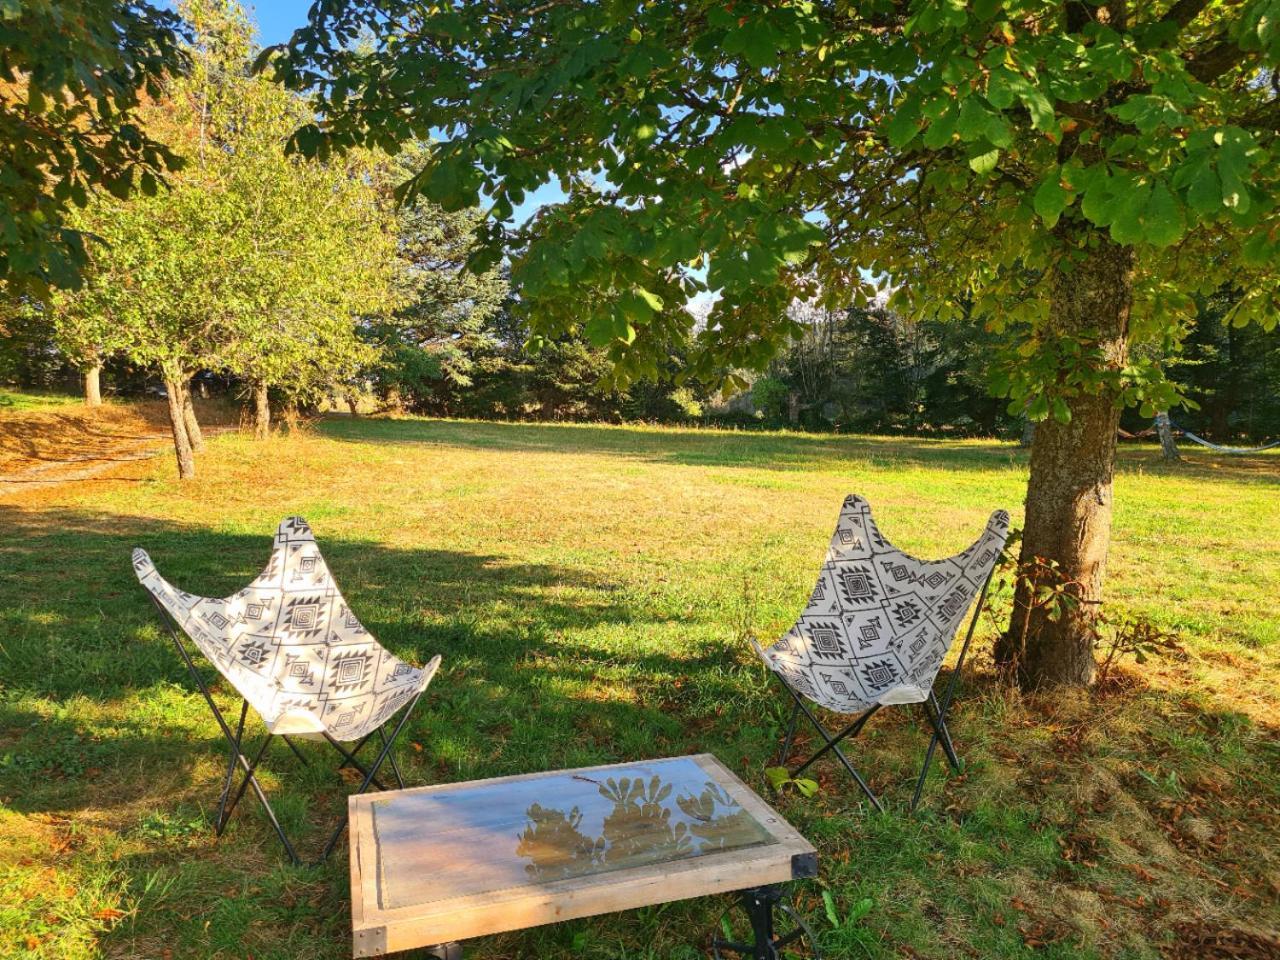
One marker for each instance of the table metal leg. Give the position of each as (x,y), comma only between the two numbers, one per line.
(766,942)
(443,951)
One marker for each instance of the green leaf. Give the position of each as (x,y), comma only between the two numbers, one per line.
(829,905)
(984,163)
(807,788)
(1164,217)
(599,329)
(652,299)
(1051,198)
(777,776)
(904,125)
(1204,191)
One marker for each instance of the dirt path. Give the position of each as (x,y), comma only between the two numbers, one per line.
(39,450)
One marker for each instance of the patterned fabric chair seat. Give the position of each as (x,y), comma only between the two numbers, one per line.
(879,622)
(875,631)
(291,646)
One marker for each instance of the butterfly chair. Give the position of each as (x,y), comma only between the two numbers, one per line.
(293,650)
(876,630)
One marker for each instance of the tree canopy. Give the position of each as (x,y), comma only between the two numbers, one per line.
(72,76)
(1072,174)
(754,149)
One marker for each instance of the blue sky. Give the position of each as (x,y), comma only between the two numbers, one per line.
(279,18)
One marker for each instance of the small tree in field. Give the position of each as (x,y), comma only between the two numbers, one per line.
(1071,172)
(251,262)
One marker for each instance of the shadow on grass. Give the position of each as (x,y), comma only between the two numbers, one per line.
(92,684)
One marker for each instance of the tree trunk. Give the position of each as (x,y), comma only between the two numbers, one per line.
(93,384)
(1168,448)
(261,410)
(178,421)
(1028,432)
(194,433)
(353,404)
(1068,507)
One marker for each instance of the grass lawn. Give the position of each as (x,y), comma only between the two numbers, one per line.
(590,589)
(12,400)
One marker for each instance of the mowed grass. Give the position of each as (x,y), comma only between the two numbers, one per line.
(15,400)
(590,589)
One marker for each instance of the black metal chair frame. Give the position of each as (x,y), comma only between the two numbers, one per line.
(248,767)
(935,713)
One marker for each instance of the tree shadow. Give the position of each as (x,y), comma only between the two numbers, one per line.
(77,628)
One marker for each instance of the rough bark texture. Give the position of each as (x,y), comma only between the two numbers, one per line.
(1168,447)
(261,411)
(1068,515)
(1028,432)
(194,434)
(93,385)
(178,421)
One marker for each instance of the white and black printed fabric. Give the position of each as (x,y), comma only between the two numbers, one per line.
(880,622)
(291,646)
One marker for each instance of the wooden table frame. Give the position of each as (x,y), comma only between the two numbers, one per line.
(377,930)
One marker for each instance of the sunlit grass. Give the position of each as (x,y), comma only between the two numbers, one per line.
(590,588)
(14,400)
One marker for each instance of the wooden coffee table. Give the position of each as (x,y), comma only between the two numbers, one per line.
(436,865)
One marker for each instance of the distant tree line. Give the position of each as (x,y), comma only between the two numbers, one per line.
(456,349)
(294,282)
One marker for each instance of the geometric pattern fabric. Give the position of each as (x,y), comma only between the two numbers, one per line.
(291,646)
(879,622)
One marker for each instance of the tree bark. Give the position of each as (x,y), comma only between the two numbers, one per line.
(1069,492)
(194,434)
(1168,447)
(178,421)
(93,384)
(1028,432)
(261,410)
(353,404)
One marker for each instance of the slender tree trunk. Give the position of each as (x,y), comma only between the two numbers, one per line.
(261,410)
(178,421)
(93,384)
(1068,515)
(353,404)
(194,433)
(1168,447)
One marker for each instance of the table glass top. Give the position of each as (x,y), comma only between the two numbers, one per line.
(436,845)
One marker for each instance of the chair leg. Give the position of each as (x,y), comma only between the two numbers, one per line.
(250,774)
(391,759)
(296,752)
(350,758)
(940,730)
(346,759)
(231,764)
(233,740)
(791,732)
(371,776)
(832,744)
(940,735)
